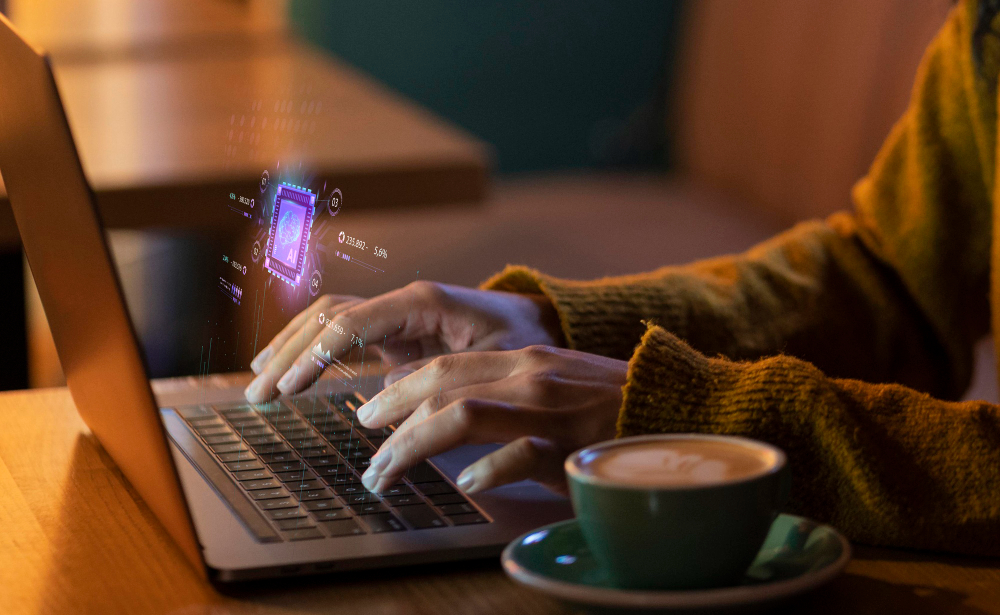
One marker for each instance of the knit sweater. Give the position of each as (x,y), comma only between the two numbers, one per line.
(844,341)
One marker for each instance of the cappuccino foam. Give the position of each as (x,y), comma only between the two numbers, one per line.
(679,463)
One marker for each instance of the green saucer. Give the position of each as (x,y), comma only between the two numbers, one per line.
(798,555)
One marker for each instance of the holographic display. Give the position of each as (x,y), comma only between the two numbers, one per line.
(288,240)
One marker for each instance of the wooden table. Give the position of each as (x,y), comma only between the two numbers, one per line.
(164,142)
(75,539)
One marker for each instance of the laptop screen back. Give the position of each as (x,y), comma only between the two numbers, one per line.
(66,249)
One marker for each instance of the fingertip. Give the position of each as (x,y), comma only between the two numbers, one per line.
(260,361)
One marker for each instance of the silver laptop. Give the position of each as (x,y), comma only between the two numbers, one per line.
(246,491)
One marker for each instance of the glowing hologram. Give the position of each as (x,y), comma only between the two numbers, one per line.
(288,240)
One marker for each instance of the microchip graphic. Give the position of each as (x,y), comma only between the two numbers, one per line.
(289,236)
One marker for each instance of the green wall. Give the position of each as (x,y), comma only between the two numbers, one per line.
(551,84)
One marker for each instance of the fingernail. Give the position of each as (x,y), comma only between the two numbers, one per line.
(380,460)
(397,374)
(286,381)
(261,360)
(365,411)
(466,481)
(252,392)
(369,478)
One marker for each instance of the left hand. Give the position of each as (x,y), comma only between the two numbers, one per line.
(543,402)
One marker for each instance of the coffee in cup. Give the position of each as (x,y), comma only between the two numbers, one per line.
(677,511)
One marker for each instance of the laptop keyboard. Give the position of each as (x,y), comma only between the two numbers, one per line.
(300,461)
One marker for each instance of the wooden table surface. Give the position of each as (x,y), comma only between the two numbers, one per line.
(75,539)
(165,139)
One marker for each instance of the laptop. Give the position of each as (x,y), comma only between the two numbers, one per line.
(246,491)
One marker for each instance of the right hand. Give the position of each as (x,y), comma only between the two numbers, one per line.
(408,327)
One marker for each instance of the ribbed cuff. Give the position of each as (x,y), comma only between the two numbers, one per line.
(602,317)
(673,388)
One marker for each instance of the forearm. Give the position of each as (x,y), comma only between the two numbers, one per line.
(886,464)
(815,292)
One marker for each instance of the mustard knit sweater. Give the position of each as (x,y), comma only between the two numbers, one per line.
(841,341)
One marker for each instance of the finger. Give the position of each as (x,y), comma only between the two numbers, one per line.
(400,372)
(279,373)
(524,458)
(443,373)
(467,421)
(260,361)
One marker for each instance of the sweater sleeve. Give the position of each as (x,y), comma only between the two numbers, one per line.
(884,463)
(895,291)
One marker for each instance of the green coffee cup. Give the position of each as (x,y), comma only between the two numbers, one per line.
(677,511)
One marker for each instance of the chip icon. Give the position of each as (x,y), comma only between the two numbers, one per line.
(288,241)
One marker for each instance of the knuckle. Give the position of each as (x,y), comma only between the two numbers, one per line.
(426,288)
(462,413)
(525,450)
(441,365)
(537,352)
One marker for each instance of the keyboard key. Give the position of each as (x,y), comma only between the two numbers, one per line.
(194,413)
(348,489)
(403,500)
(447,498)
(285,466)
(468,519)
(361,464)
(334,471)
(213,430)
(275,504)
(304,443)
(238,456)
(360,454)
(305,485)
(369,508)
(398,490)
(269,494)
(267,483)
(291,423)
(329,464)
(259,440)
(344,527)
(331,515)
(320,451)
(457,509)
(211,422)
(253,432)
(434,488)
(315,505)
(238,410)
(342,476)
(296,475)
(248,464)
(271,449)
(297,433)
(303,534)
(421,517)
(252,474)
(248,423)
(361,498)
(317,494)
(283,456)
(337,435)
(384,523)
(423,473)
(223,439)
(286,513)
(228,448)
(371,433)
(294,524)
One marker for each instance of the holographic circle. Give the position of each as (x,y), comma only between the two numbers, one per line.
(315,283)
(340,237)
(335,202)
(255,254)
(265,181)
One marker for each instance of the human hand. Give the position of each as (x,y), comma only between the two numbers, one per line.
(407,327)
(543,402)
